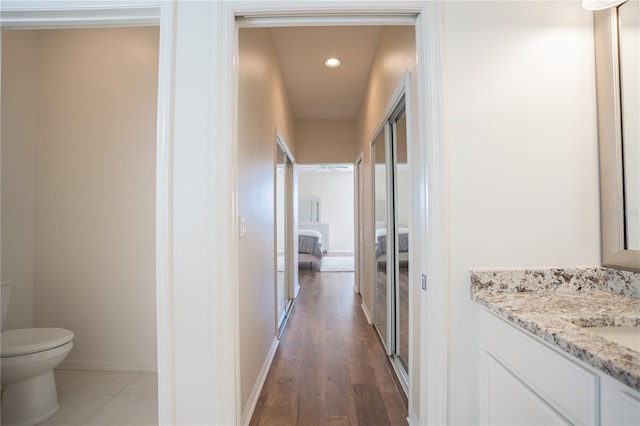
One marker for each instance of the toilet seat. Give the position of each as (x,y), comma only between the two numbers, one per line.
(25,341)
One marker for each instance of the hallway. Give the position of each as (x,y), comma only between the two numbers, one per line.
(330,367)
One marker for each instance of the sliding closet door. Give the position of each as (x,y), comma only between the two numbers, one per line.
(284,245)
(391,257)
(401,224)
(382,243)
(281,217)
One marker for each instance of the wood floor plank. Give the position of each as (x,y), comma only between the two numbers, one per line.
(370,406)
(330,367)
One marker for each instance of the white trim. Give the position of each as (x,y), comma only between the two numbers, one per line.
(367,314)
(433,302)
(79,14)
(102,365)
(257,387)
(225,161)
(319,10)
(164,200)
(412,420)
(329,21)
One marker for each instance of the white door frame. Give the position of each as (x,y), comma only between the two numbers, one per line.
(428,182)
(41,15)
(196,189)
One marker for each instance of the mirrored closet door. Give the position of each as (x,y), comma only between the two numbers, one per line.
(391,232)
(283,233)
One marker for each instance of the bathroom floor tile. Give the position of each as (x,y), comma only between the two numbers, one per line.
(146,384)
(127,410)
(77,409)
(108,398)
(93,382)
(65,378)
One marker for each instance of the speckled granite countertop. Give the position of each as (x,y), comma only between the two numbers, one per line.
(554,303)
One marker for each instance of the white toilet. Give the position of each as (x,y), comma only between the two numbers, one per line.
(29,356)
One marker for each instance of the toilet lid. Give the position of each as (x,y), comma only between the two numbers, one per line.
(31,340)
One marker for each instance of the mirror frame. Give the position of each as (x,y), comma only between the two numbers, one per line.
(614,254)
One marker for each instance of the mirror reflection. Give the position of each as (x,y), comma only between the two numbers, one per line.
(281,258)
(379,154)
(392,210)
(629,47)
(401,207)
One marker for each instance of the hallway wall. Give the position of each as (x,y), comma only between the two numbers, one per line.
(325,141)
(521,155)
(263,106)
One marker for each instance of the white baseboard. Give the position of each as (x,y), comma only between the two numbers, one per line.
(257,387)
(74,364)
(366,312)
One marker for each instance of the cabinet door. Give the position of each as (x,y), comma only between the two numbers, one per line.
(507,401)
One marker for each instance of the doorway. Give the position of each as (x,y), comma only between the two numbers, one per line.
(326,206)
(78,178)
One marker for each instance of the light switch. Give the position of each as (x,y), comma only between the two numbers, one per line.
(243,227)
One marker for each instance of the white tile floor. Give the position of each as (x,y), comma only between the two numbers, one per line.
(105,398)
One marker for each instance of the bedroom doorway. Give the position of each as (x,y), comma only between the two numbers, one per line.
(326,210)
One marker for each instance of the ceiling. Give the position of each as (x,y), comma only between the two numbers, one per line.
(318,92)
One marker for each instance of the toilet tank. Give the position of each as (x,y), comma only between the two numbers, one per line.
(5,295)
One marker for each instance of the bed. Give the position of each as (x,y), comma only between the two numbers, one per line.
(309,247)
(381,245)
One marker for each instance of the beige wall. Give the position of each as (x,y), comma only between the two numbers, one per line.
(19,123)
(94,222)
(326,141)
(263,106)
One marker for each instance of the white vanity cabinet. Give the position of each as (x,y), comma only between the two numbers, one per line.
(525,381)
(619,405)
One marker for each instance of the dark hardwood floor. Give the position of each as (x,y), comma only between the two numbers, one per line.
(330,368)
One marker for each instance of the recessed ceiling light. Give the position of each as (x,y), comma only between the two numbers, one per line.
(332,62)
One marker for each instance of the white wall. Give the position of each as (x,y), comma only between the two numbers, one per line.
(94,180)
(19,123)
(334,189)
(263,106)
(521,155)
